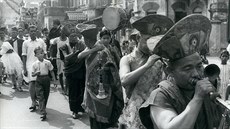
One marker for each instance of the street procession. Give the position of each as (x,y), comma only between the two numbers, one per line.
(114,64)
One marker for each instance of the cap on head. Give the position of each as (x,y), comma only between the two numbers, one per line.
(90,31)
(186,37)
(153,24)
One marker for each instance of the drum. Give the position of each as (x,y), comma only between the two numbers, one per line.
(114,18)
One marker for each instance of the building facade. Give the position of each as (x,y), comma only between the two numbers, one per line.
(215,10)
(90,11)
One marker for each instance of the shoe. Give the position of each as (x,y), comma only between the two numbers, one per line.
(33,108)
(43,117)
(20,89)
(74,115)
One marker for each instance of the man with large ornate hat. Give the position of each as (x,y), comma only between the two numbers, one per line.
(103,99)
(182,101)
(140,71)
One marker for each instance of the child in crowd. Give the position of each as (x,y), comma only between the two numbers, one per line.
(41,69)
(224,74)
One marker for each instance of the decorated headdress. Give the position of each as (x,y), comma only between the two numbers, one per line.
(153,24)
(186,37)
(89,31)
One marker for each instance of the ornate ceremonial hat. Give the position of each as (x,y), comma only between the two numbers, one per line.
(153,24)
(89,32)
(186,37)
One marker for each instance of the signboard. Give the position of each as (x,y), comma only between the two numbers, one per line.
(78,16)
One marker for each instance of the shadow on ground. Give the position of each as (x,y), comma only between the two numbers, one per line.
(59,119)
(7,97)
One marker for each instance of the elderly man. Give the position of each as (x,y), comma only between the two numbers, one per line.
(183,100)
(140,71)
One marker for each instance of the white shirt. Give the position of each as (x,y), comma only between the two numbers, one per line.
(28,50)
(44,67)
(60,43)
(224,79)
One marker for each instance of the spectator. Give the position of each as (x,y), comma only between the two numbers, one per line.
(54,33)
(29,58)
(15,41)
(75,73)
(41,69)
(11,61)
(45,33)
(59,42)
(224,74)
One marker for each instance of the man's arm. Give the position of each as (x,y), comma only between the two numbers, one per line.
(53,76)
(169,119)
(130,77)
(24,58)
(88,51)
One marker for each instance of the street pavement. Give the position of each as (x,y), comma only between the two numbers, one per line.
(15,113)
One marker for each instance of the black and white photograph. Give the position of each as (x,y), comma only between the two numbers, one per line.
(114,64)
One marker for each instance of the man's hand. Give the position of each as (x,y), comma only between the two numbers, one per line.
(203,88)
(38,73)
(10,51)
(151,60)
(99,47)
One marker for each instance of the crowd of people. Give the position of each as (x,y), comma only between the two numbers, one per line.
(155,80)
